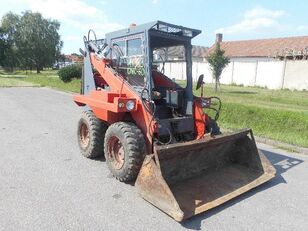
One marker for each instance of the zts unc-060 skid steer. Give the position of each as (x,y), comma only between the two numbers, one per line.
(154,130)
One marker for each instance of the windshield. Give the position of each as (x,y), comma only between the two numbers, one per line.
(170,61)
(169,54)
(128,59)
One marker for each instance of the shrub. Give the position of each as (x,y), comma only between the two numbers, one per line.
(66,74)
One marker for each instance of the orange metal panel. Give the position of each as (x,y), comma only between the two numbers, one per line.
(200,119)
(105,103)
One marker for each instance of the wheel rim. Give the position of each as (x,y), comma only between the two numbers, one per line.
(84,135)
(116,152)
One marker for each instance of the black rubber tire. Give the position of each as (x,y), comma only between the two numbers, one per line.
(133,143)
(213,127)
(97,129)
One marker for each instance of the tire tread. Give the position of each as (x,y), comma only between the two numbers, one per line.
(135,147)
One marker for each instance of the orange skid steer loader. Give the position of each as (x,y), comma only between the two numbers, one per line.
(153,130)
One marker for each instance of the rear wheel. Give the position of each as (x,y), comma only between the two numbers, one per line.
(90,133)
(124,150)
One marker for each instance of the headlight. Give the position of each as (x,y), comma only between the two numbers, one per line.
(130,105)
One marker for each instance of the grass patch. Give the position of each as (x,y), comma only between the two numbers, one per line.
(14,82)
(44,79)
(276,114)
(261,97)
(278,124)
(54,82)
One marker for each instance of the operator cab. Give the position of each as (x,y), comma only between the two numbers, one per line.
(143,55)
(173,100)
(167,94)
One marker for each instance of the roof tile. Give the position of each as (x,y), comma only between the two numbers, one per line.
(263,47)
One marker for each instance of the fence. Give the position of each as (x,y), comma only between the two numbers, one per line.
(272,74)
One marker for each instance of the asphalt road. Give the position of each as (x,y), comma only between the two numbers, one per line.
(45,184)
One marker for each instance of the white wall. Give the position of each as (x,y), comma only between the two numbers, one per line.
(244,73)
(199,68)
(226,75)
(296,75)
(267,73)
(175,70)
(270,74)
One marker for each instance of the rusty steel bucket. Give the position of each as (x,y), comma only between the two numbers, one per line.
(185,179)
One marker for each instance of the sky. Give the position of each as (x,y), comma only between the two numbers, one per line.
(236,20)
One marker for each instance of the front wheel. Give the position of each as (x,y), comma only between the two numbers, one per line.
(124,147)
(90,133)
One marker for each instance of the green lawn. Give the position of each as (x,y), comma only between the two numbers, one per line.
(277,114)
(14,82)
(55,82)
(45,78)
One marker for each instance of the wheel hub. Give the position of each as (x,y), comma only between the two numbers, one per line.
(84,135)
(116,152)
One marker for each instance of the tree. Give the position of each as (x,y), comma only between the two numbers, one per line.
(8,53)
(218,61)
(2,45)
(38,40)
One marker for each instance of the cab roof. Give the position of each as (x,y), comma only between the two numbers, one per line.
(156,26)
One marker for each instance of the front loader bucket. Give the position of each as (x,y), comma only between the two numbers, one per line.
(185,179)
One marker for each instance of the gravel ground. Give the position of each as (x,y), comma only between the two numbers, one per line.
(45,184)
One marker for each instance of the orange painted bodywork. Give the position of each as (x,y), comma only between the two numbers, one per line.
(105,103)
(161,80)
(200,119)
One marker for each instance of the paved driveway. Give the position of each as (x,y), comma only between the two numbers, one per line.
(45,184)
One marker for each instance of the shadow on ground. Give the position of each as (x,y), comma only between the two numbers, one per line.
(110,175)
(282,164)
